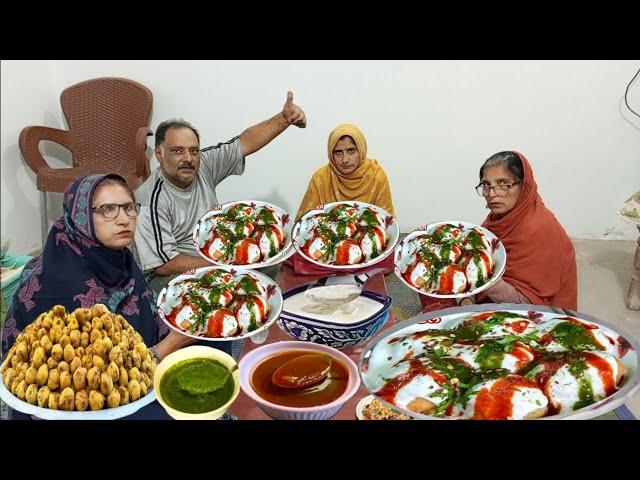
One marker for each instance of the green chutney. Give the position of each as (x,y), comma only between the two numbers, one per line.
(197,385)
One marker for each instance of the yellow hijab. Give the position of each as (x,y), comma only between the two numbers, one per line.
(368,183)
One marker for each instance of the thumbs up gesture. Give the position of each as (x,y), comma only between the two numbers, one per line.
(292,113)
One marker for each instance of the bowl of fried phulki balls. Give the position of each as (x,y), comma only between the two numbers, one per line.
(89,359)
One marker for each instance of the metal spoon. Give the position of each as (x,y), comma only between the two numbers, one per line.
(302,372)
(318,292)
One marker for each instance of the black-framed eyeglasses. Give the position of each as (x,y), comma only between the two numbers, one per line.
(500,190)
(112,210)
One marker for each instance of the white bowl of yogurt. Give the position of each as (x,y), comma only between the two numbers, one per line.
(339,326)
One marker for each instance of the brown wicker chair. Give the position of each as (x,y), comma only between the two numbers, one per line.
(108,122)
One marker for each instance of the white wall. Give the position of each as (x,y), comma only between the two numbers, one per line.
(430,123)
(28,98)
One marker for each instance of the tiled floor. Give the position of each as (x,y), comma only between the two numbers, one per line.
(604,272)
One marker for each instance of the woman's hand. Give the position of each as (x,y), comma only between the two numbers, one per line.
(172,342)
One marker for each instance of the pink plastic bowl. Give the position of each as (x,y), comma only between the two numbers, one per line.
(323,412)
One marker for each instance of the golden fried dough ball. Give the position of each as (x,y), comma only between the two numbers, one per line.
(113,399)
(75,337)
(72,322)
(99,362)
(21,390)
(107,343)
(81,315)
(59,311)
(145,378)
(8,376)
(115,355)
(75,364)
(84,339)
(93,378)
(80,378)
(53,382)
(106,383)
(86,361)
(65,380)
(31,375)
(124,395)
(137,360)
(22,352)
(64,340)
(55,334)
(57,352)
(143,388)
(31,394)
(46,343)
(69,353)
(63,366)
(95,335)
(42,375)
(39,357)
(99,348)
(134,390)
(97,324)
(98,310)
(41,333)
(67,399)
(124,347)
(82,400)
(124,377)
(96,400)
(146,366)
(54,398)
(116,337)
(141,348)
(14,385)
(51,363)
(114,372)
(43,396)
(134,373)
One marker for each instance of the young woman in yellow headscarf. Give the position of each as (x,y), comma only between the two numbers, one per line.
(349,176)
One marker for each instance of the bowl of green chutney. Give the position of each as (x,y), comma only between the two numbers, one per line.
(197,383)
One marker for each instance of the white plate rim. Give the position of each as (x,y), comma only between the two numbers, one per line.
(49,414)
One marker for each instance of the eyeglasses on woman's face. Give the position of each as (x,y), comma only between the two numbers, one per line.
(112,210)
(499,190)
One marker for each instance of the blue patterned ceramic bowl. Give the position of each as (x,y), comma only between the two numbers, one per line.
(336,335)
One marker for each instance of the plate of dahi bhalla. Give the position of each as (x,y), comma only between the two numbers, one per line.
(450,259)
(85,364)
(220,303)
(502,362)
(346,235)
(249,233)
